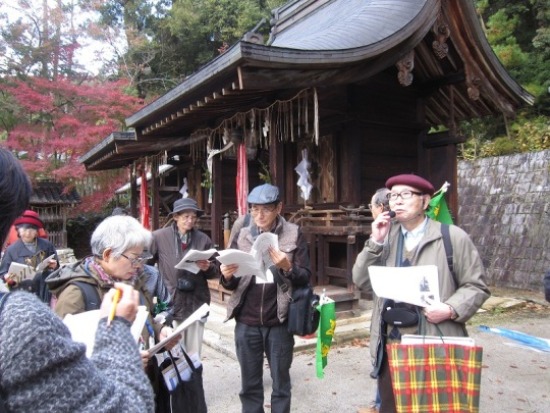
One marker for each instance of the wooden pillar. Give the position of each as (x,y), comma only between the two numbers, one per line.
(276,163)
(133,191)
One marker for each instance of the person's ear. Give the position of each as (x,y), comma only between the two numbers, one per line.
(107,254)
(426,201)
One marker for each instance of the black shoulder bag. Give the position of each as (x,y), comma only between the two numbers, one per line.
(188,395)
(303,316)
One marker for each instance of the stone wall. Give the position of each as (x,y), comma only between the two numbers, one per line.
(504,204)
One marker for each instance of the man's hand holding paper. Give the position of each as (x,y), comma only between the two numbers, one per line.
(418,285)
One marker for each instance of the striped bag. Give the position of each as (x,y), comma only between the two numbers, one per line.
(436,377)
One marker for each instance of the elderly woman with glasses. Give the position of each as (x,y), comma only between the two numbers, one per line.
(118,245)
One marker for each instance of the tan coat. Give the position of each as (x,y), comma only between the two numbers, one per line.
(472,289)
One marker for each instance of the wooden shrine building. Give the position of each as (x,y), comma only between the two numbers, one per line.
(369,88)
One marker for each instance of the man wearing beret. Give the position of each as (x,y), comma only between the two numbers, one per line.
(188,291)
(411,238)
(260,309)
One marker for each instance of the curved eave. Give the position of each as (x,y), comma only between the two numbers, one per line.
(465,31)
(228,72)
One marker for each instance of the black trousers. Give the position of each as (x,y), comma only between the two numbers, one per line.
(277,344)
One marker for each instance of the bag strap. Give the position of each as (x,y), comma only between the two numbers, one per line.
(278,279)
(448,245)
(90,295)
(187,359)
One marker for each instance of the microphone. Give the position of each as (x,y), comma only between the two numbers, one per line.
(392,214)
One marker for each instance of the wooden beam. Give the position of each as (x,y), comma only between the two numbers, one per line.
(442,139)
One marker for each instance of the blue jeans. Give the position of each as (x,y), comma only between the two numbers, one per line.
(251,345)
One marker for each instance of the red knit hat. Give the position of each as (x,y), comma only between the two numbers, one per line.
(411,180)
(31,218)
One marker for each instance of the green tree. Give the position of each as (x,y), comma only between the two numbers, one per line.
(167,41)
(519,35)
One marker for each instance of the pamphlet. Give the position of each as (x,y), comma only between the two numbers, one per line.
(256,262)
(189,261)
(21,272)
(24,272)
(198,315)
(83,326)
(418,285)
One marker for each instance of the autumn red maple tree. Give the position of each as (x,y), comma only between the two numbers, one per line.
(49,124)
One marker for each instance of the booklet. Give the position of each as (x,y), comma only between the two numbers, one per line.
(198,315)
(256,262)
(83,326)
(189,261)
(21,272)
(26,272)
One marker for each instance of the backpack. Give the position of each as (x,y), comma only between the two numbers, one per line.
(90,295)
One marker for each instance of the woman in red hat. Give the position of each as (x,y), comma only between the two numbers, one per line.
(30,250)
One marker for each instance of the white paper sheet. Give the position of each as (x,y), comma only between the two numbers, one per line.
(83,326)
(418,285)
(199,314)
(256,262)
(21,272)
(248,264)
(188,262)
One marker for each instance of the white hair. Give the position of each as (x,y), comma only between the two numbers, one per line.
(119,233)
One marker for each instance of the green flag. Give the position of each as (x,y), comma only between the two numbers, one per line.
(325,333)
(438,209)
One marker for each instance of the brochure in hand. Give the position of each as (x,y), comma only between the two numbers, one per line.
(83,326)
(256,262)
(189,261)
(198,315)
(26,272)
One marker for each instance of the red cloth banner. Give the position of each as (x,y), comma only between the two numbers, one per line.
(144,201)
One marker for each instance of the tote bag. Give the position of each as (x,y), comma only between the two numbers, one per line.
(435,377)
(184,394)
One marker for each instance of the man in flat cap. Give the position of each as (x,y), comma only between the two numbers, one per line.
(188,291)
(411,238)
(260,309)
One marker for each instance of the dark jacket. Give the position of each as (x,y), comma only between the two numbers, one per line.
(18,252)
(167,252)
(248,297)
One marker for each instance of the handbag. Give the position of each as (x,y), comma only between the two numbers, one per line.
(185,394)
(303,316)
(441,376)
(186,284)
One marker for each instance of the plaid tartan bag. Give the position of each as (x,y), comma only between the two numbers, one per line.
(435,377)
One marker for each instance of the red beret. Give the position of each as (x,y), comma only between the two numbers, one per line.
(31,218)
(411,180)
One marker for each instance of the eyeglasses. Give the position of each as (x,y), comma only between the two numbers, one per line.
(264,209)
(392,196)
(138,260)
